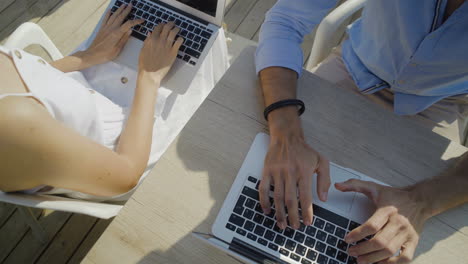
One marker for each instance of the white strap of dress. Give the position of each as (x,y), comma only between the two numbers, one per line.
(6,51)
(16,94)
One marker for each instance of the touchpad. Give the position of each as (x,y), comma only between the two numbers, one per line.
(337,199)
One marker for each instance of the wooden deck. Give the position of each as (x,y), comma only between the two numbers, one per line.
(68,23)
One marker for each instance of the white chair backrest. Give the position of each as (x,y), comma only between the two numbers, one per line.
(29,34)
(330,27)
(25,35)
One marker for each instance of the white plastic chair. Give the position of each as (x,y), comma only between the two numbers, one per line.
(25,35)
(329,28)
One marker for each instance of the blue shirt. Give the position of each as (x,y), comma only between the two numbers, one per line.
(402,45)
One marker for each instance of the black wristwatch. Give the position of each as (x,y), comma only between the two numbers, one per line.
(284,103)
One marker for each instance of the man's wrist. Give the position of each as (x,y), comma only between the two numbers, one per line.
(285,123)
(423,196)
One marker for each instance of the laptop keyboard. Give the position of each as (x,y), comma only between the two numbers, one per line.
(322,242)
(195,35)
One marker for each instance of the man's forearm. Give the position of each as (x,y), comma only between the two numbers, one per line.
(280,84)
(448,190)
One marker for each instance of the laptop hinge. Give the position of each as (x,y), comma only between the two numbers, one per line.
(253,253)
(206,23)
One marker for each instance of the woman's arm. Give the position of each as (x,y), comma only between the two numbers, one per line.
(109,42)
(76,62)
(156,58)
(36,149)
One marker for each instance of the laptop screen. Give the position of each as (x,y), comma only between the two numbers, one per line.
(206,6)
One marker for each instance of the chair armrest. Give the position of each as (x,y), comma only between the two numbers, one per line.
(327,29)
(57,203)
(30,33)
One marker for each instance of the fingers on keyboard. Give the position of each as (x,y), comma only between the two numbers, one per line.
(321,242)
(195,35)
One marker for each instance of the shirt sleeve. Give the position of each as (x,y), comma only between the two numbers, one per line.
(283,31)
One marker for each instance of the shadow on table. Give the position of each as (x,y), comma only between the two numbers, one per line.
(441,234)
(173,254)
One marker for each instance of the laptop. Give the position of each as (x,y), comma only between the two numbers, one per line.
(244,232)
(199,21)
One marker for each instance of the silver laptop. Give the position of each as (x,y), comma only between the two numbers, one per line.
(244,232)
(199,21)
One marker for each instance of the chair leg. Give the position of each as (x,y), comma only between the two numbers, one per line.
(35,226)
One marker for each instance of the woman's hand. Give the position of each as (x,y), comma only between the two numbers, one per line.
(159,51)
(395,225)
(112,36)
(109,42)
(290,165)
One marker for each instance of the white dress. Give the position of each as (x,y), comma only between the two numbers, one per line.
(112,87)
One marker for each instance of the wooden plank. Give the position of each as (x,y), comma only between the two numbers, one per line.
(73,29)
(12,232)
(86,245)
(23,11)
(68,239)
(237,13)
(70,24)
(34,225)
(256,37)
(29,249)
(69,42)
(229,4)
(14,9)
(4,4)
(254,19)
(6,211)
(236,45)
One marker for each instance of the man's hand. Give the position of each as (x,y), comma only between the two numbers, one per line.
(290,165)
(395,225)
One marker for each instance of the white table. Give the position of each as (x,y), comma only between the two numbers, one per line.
(188,185)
